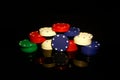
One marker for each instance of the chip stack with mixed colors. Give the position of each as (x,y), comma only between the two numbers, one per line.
(56,41)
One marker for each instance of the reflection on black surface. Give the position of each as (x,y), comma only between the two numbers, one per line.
(47,53)
(41,64)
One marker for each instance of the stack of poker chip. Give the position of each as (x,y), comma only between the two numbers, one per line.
(88,46)
(60,39)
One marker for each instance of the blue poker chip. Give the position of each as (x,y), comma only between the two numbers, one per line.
(60,42)
(91,49)
(73,31)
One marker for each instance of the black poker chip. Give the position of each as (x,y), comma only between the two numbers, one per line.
(60,42)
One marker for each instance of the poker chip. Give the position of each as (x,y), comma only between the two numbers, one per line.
(35,37)
(83,39)
(47,32)
(72,46)
(26,43)
(91,49)
(73,31)
(27,46)
(46,45)
(60,27)
(60,42)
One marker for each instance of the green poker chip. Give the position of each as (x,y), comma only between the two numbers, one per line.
(26,43)
(27,46)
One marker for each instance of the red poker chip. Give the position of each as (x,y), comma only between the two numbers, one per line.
(61,27)
(35,37)
(72,46)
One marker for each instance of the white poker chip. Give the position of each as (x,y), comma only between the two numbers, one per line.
(60,42)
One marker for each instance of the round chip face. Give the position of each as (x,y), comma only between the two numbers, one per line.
(60,42)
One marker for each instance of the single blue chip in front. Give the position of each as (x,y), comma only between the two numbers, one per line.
(60,42)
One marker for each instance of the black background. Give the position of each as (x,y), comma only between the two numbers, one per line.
(98,21)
